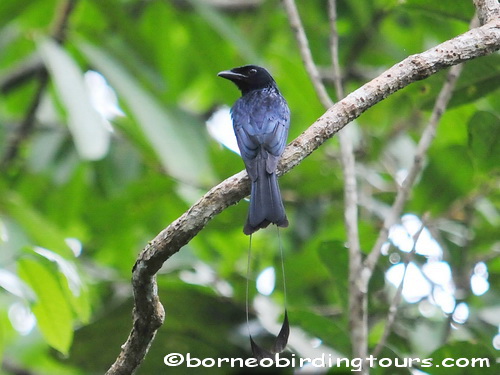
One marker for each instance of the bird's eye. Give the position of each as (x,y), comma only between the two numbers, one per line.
(252,71)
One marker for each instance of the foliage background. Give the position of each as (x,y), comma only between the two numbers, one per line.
(161,57)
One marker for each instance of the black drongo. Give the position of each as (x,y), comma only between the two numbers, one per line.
(260,120)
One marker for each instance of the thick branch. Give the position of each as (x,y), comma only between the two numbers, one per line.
(475,43)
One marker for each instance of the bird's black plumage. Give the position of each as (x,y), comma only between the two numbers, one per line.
(260,120)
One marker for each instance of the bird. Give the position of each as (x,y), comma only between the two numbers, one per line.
(261,119)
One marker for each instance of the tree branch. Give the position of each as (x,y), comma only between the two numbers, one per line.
(487,10)
(358,314)
(24,128)
(148,313)
(334,49)
(23,72)
(305,53)
(357,306)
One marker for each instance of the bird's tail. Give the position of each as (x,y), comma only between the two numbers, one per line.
(266,205)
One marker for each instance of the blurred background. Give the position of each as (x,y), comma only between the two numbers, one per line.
(113,122)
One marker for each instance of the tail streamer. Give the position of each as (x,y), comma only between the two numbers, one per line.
(282,337)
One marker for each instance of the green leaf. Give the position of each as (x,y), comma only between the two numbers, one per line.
(447,177)
(42,231)
(328,330)
(479,78)
(484,140)
(177,143)
(461,10)
(52,310)
(9,8)
(71,283)
(7,333)
(336,259)
(226,30)
(14,285)
(85,123)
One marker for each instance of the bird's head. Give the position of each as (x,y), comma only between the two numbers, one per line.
(249,78)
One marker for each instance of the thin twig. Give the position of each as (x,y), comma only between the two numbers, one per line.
(30,70)
(358,305)
(25,127)
(147,308)
(334,49)
(357,301)
(348,162)
(404,190)
(415,169)
(305,52)
(23,72)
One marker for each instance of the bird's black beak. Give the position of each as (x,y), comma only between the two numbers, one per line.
(232,76)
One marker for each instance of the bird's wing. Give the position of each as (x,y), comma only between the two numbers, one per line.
(243,129)
(247,142)
(275,130)
(261,120)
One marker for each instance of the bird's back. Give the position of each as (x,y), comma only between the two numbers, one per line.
(261,118)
